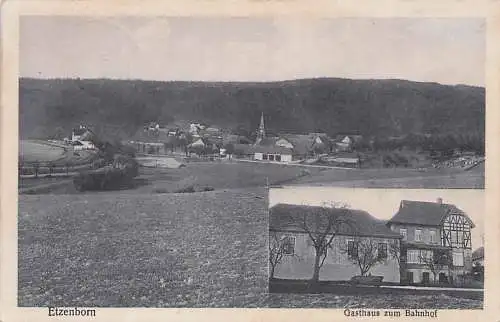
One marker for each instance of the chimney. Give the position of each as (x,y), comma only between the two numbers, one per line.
(439,201)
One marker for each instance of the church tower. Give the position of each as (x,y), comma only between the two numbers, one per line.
(261,133)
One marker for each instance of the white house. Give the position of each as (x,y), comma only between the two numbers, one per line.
(272,153)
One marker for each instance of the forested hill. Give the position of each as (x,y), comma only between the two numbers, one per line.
(367,107)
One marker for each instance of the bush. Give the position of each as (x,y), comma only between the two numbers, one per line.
(188,189)
(160,190)
(208,189)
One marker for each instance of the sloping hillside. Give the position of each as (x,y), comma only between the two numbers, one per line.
(368,107)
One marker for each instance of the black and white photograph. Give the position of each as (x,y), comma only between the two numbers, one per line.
(383,248)
(156,154)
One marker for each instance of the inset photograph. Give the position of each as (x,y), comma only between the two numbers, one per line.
(377,248)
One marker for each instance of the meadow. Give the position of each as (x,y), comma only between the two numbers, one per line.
(199,175)
(398,178)
(31,151)
(43,152)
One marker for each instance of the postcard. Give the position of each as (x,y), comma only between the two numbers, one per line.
(253,160)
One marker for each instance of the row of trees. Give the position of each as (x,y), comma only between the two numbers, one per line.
(436,144)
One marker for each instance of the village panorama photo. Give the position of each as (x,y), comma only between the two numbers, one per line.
(148,145)
(387,247)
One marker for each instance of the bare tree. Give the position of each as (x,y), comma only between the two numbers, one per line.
(365,254)
(396,252)
(277,250)
(427,258)
(322,228)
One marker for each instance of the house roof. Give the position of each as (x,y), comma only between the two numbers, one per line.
(303,143)
(425,213)
(270,149)
(79,131)
(145,136)
(285,217)
(268,141)
(478,253)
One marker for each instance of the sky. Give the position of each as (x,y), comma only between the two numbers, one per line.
(384,203)
(445,50)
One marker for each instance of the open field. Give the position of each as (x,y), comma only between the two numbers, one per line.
(205,249)
(228,175)
(31,151)
(217,175)
(397,178)
(46,152)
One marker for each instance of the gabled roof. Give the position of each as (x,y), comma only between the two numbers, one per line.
(285,217)
(268,141)
(270,149)
(147,136)
(79,131)
(425,213)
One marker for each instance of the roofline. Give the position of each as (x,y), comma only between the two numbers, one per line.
(408,223)
(338,234)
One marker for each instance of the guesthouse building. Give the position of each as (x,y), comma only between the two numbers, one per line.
(436,241)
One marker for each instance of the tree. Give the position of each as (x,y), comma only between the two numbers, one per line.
(322,227)
(426,257)
(397,251)
(229,148)
(435,261)
(365,254)
(277,250)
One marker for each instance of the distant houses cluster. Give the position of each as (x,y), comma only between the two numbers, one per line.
(200,139)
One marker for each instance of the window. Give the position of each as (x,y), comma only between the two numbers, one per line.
(264,157)
(418,235)
(458,258)
(352,249)
(412,256)
(288,245)
(382,250)
(271,157)
(278,157)
(426,256)
(403,233)
(432,236)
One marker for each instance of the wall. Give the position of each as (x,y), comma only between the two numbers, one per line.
(410,232)
(337,266)
(258,156)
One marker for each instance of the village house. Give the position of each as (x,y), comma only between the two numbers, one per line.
(288,147)
(292,226)
(81,139)
(344,159)
(345,143)
(436,241)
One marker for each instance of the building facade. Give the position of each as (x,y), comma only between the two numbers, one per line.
(436,241)
(286,228)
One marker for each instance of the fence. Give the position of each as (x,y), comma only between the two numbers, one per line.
(49,169)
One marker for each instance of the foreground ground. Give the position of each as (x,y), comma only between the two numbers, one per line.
(206,249)
(203,249)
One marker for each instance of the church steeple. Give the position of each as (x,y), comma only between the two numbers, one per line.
(261,133)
